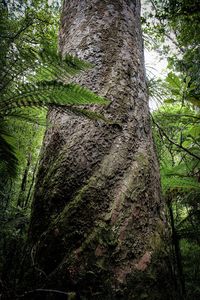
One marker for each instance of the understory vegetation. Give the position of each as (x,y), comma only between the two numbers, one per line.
(34,77)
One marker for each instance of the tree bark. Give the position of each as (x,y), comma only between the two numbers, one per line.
(97,217)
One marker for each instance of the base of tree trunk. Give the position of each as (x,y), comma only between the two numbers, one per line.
(97,272)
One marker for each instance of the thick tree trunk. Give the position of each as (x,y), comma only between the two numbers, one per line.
(97,216)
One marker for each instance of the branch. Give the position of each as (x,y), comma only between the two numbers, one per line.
(166,34)
(174,143)
(42,290)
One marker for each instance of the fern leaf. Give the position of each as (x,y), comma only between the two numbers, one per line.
(180,184)
(45,93)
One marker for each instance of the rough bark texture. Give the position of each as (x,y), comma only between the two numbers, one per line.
(97,217)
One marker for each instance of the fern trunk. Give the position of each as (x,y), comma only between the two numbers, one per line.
(97,217)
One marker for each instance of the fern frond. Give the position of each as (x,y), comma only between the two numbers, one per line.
(68,65)
(45,93)
(82,112)
(32,117)
(181,184)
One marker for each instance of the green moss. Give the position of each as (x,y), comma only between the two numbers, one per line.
(155,241)
(142,159)
(75,203)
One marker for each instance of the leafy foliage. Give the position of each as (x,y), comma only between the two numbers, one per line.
(171,28)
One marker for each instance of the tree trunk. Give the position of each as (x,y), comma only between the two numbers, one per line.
(97,216)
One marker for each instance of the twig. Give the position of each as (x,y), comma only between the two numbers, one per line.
(43,291)
(174,143)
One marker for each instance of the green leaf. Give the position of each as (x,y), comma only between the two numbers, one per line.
(174,81)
